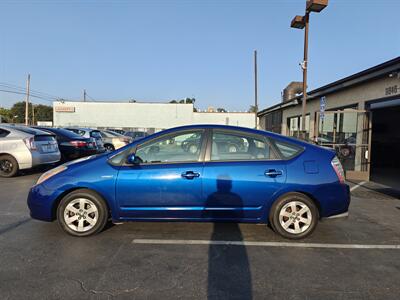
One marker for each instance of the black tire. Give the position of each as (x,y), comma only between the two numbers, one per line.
(8,166)
(92,197)
(311,216)
(109,147)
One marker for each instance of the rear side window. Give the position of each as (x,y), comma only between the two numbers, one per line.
(236,146)
(287,150)
(4,133)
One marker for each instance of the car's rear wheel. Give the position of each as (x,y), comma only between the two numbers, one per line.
(294,216)
(8,166)
(82,213)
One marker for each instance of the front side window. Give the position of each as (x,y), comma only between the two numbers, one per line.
(182,147)
(240,146)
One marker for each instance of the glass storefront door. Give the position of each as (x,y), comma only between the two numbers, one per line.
(348,132)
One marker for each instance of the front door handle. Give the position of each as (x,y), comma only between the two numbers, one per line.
(273,173)
(190,174)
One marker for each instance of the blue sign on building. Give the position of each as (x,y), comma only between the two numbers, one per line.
(322,106)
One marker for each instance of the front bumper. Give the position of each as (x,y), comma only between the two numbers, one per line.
(41,203)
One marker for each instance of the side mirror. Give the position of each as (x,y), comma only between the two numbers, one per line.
(132,159)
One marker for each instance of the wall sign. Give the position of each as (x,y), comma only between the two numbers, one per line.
(392,90)
(69,109)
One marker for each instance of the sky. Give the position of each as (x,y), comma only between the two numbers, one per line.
(156,51)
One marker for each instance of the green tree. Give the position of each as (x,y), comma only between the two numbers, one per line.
(220,109)
(252,109)
(42,112)
(5,115)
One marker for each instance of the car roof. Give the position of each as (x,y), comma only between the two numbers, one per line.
(27,130)
(82,128)
(60,131)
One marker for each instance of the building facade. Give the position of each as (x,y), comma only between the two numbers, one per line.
(356,115)
(150,117)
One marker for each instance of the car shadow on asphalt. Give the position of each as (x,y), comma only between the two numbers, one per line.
(229,273)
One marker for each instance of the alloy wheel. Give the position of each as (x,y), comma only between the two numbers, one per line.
(295,217)
(6,166)
(81,215)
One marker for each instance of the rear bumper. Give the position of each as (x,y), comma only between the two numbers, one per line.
(334,200)
(45,158)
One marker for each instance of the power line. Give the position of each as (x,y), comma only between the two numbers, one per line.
(22,93)
(38,94)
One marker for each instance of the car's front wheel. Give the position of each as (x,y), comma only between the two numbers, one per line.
(82,213)
(294,216)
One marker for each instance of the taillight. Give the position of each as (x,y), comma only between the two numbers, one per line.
(30,143)
(337,166)
(78,144)
(126,140)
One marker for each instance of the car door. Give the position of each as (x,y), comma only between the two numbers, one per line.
(242,172)
(167,181)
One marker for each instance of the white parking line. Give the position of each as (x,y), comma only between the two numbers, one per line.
(357,186)
(262,244)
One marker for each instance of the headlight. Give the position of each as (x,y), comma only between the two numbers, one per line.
(50,173)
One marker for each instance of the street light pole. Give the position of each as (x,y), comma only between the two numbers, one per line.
(302,22)
(305,67)
(255,89)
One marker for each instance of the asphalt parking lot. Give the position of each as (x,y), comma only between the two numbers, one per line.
(354,258)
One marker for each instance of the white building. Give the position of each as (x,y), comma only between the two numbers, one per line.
(141,116)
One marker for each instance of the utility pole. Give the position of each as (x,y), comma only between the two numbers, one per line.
(27,100)
(33,114)
(84,95)
(255,90)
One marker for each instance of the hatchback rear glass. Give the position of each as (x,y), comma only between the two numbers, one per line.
(44,138)
(95,134)
(28,130)
(62,132)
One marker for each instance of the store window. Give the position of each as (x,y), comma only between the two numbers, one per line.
(295,127)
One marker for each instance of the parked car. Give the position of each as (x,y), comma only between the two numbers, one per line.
(113,140)
(71,145)
(119,131)
(136,135)
(89,133)
(24,148)
(273,179)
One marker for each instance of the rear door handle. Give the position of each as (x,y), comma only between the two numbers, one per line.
(190,174)
(273,173)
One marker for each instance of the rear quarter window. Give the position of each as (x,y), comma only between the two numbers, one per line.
(287,150)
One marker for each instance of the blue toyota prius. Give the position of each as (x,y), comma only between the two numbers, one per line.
(201,173)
